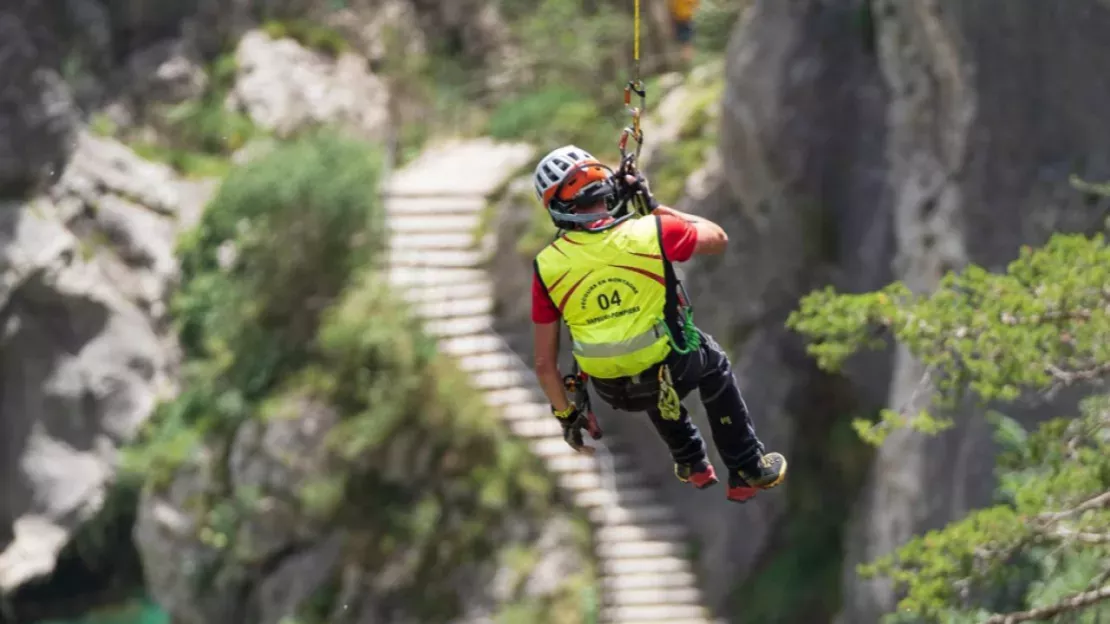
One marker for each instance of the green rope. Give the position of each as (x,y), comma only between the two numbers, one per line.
(691,339)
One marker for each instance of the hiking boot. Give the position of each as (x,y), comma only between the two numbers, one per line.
(701,474)
(769,472)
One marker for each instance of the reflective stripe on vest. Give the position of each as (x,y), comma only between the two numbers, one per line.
(622,347)
(610,288)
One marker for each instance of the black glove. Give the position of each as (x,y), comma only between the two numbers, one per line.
(573,421)
(636,184)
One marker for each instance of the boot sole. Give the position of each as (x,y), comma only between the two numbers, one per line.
(767,486)
(703,486)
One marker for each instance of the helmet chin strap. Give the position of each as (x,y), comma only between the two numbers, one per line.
(562,214)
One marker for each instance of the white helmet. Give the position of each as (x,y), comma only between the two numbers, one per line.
(568,177)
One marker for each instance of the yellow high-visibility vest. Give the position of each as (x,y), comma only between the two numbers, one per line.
(611,290)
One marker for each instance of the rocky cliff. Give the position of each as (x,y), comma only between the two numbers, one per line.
(87,352)
(861,142)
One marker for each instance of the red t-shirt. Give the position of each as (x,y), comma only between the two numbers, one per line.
(679,239)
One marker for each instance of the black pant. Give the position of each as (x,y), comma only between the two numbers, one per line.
(708,370)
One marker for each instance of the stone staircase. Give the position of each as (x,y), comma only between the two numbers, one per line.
(433,206)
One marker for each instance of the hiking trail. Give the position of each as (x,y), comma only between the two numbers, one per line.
(433,206)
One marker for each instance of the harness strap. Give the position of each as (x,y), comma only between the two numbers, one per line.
(621,347)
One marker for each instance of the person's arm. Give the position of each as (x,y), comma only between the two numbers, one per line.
(545,345)
(545,342)
(711,238)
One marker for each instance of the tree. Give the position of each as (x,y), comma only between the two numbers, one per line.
(1043,549)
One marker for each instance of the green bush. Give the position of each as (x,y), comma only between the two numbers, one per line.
(310,35)
(276,246)
(299,220)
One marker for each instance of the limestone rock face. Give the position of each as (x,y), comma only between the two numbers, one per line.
(84,274)
(285,87)
(980,157)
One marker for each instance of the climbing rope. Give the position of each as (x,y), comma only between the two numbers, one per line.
(634,131)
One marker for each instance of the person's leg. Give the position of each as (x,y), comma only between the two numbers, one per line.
(681,436)
(749,469)
(691,460)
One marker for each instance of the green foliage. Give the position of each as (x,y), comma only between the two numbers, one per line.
(283,308)
(714,23)
(564,42)
(195,137)
(276,246)
(555,115)
(994,338)
(309,34)
(1040,325)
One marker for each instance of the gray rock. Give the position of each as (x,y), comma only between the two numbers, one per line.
(84,271)
(38,117)
(285,87)
(169,71)
(980,156)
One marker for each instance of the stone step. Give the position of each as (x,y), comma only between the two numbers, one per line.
(622,514)
(433,241)
(454,309)
(636,533)
(472,345)
(648,580)
(553,447)
(633,565)
(572,463)
(446,294)
(490,361)
(511,396)
(526,412)
(688,595)
(623,480)
(654,613)
(499,379)
(462,326)
(409,223)
(536,428)
(432,258)
(422,276)
(631,496)
(439,206)
(638,550)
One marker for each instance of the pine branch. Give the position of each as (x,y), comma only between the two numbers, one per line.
(1096,502)
(1071,377)
(1067,605)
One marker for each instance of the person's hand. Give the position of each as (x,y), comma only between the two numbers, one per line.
(637,184)
(574,420)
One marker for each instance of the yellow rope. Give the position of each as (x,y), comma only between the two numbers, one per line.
(636,29)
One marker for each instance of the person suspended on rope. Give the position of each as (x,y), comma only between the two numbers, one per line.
(609,277)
